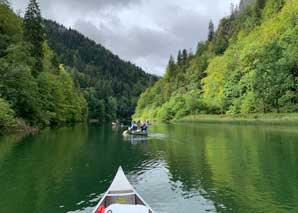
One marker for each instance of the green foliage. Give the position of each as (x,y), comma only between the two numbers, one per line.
(7,119)
(111,108)
(44,98)
(35,88)
(223,34)
(179,58)
(4,2)
(245,3)
(34,34)
(17,84)
(270,84)
(249,66)
(260,4)
(48,99)
(99,73)
(10,28)
(60,100)
(96,105)
(210,31)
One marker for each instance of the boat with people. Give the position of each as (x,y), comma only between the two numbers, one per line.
(135,132)
(121,197)
(137,129)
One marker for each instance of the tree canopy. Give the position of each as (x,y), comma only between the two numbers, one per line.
(98,72)
(34,34)
(52,75)
(248,65)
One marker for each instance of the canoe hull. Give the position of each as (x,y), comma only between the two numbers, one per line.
(121,192)
(138,133)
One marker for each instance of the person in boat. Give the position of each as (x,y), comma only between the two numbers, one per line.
(138,125)
(133,127)
(144,126)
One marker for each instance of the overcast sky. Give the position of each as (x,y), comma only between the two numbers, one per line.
(145,32)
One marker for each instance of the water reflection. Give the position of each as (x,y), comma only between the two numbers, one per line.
(237,167)
(134,139)
(177,168)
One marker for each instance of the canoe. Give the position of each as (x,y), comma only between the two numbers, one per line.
(121,197)
(137,132)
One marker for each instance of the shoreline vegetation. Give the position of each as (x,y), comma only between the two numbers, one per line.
(288,119)
(51,75)
(19,126)
(245,70)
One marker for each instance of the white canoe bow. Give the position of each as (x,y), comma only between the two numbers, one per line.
(122,195)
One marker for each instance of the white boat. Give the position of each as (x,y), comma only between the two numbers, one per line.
(121,197)
(135,132)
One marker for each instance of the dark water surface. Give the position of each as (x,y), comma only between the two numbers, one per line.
(185,168)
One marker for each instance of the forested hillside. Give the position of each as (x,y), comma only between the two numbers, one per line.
(33,89)
(107,81)
(53,75)
(248,65)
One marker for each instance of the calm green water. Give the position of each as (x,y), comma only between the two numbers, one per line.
(180,168)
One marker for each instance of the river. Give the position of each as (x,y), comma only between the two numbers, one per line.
(178,168)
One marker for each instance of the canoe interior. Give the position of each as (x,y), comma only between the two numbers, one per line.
(131,199)
(121,192)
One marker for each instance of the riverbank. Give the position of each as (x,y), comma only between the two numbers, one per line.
(19,126)
(270,118)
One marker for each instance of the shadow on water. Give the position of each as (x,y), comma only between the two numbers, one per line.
(187,167)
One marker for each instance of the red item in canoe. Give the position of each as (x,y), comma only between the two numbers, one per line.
(101,209)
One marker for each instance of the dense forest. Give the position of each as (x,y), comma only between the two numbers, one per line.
(49,77)
(248,65)
(110,85)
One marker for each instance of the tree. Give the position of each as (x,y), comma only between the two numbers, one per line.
(223,34)
(273,78)
(5,2)
(34,34)
(96,68)
(17,84)
(170,68)
(111,108)
(10,28)
(7,119)
(184,56)
(235,72)
(210,31)
(244,3)
(201,48)
(260,4)
(179,58)
(233,10)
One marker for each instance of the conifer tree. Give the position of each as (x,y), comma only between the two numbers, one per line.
(179,58)
(171,66)
(260,4)
(184,56)
(5,2)
(34,34)
(210,31)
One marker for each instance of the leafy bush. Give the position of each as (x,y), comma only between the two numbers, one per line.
(7,119)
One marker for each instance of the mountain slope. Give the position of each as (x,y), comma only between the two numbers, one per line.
(249,66)
(100,73)
(38,97)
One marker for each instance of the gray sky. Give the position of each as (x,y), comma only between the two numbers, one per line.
(145,32)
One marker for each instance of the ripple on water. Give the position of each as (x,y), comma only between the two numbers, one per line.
(201,168)
(168,194)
